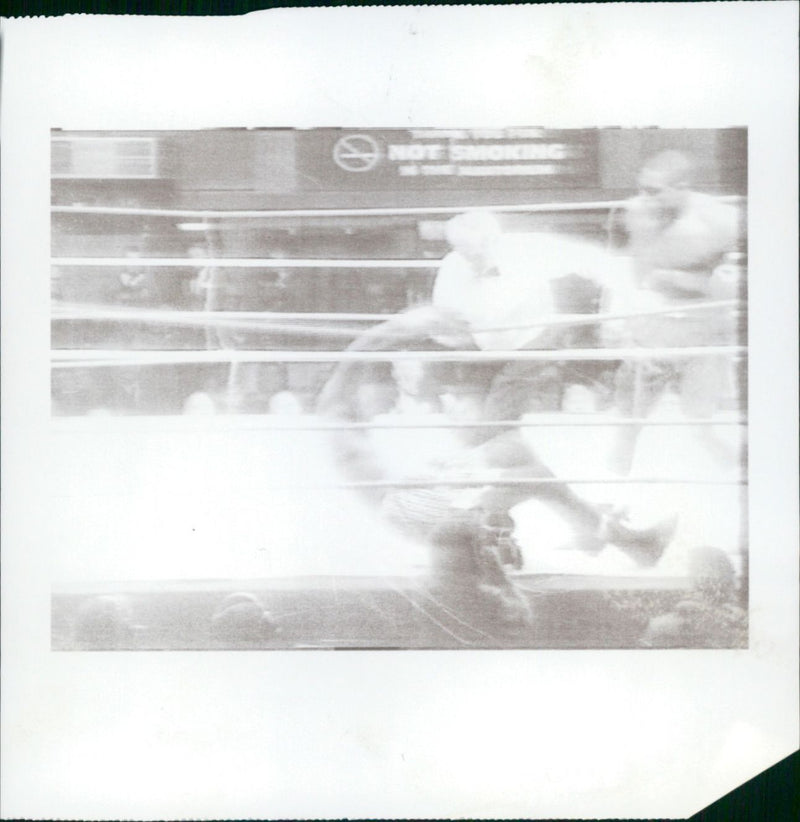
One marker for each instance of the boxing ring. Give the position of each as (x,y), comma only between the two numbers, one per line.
(171,514)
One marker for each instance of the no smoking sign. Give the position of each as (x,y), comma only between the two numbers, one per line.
(357,152)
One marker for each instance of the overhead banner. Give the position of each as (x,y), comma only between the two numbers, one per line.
(447,158)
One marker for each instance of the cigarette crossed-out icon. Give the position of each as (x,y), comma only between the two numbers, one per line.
(356,152)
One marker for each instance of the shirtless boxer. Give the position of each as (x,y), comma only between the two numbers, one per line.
(678,240)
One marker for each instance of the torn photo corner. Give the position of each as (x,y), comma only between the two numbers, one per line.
(481,370)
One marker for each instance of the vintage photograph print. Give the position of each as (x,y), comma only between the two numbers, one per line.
(399,389)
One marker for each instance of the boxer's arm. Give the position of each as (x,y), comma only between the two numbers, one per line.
(712,229)
(412,327)
(355,454)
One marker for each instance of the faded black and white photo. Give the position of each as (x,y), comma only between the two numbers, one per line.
(427,388)
(399,411)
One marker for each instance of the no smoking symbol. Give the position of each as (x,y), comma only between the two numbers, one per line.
(356,152)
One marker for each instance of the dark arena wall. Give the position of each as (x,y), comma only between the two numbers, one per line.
(332,168)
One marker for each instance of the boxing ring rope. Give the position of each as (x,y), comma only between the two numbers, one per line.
(301,423)
(226,320)
(479,481)
(238,262)
(199,214)
(101,311)
(526,482)
(99,358)
(65,358)
(179,318)
(252,320)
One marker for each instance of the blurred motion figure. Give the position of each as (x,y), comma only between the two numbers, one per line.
(683,247)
